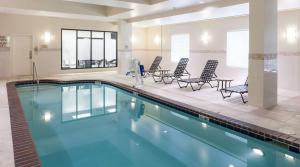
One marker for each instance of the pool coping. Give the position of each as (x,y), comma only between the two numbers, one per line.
(25,154)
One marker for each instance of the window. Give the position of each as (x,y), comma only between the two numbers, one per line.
(180,47)
(238,49)
(88,49)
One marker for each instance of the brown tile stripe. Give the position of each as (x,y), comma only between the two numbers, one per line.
(25,152)
(263,56)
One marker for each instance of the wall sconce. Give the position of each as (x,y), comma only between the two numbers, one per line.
(291,34)
(157,40)
(47,38)
(205,38)
(133,39)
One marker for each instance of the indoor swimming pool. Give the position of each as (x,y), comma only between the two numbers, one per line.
(94,124)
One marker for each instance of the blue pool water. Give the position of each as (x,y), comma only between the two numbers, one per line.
(91,125)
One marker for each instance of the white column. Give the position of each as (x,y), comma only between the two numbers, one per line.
(263,53)
(124,47)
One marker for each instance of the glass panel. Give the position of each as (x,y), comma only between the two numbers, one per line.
(97,34)
(68,49)
(110,100)
(111,49)
(97,53)
(97,100)
(84,52)
(68,103)
(84,34)
(84,98)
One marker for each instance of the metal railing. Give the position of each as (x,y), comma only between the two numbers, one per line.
(35,74)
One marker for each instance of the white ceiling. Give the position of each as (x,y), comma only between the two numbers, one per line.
(140,12)
(213,13)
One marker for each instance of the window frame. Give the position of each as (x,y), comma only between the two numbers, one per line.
(91,46)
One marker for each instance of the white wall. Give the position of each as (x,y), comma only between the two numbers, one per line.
(288,59)
(48,60)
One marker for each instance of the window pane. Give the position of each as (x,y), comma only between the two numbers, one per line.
(238,48)
(97,53)
(97,34)
(84,54)
(180,47)
(68,49)
(84,34)
(111,49)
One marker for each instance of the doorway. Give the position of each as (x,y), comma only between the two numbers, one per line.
(22,55)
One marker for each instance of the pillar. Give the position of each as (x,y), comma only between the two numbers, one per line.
(263,53)
(124,47)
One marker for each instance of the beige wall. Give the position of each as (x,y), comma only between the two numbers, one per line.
(48,60)
(288,59)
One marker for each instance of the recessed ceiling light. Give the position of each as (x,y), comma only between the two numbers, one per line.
(230,165)
(165,131)
(258,152)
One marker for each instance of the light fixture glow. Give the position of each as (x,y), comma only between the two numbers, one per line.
(132,105)
(205,38)
(291,34)
(133,99)
(157,107)
(133,39)
(165,131)
(230,165)
(204,125)
(289,157)
(258,152)
(47,116)
(157,40)
(47,37)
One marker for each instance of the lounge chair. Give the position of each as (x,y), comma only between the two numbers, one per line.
(208,74)
(240,89)
(112,63)
(154,66)
(168,78)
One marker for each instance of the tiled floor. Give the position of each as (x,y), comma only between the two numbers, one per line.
(284,118)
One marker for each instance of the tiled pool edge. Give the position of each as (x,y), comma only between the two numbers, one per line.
(22,136)
(25,154)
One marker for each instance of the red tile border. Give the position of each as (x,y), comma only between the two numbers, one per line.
(24,148)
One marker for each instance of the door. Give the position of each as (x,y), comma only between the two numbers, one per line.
(22,55)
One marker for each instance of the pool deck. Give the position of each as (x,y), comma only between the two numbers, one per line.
(284,118)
